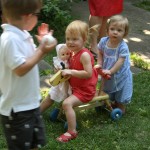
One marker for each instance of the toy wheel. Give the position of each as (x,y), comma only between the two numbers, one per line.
(54,114)
(66,126)
(116,114)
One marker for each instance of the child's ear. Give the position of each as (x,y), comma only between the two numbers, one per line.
(27,17)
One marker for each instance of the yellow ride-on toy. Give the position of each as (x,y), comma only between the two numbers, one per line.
(96,102)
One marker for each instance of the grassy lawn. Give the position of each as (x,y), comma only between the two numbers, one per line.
(144,4)
(98,132)
(96,129)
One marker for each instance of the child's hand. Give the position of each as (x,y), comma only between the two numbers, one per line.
(45,48)
(106,71)
(66,72)
(56,69)
(98,66)
(43,29)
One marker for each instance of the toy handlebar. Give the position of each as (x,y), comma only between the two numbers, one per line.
(105,76)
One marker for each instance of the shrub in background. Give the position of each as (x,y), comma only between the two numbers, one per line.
(56,13)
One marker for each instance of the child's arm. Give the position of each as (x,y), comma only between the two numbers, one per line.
(100,59)
(32,61)
(86,73)
(116,66)
(40,52)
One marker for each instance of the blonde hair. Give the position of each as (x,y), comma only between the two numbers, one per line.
(77,28)
(16,8)
(118,19)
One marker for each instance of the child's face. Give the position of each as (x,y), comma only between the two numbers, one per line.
(64,53)
(74,43)
(25,22)
(116,31)
(31,21)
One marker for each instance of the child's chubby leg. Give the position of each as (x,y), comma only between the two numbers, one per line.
(46,103)
(124,96)
(68,105)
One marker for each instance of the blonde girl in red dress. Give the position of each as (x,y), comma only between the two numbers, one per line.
(83,75)
(100,12)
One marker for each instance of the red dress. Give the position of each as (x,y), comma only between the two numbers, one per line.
(105,7)
(84,89)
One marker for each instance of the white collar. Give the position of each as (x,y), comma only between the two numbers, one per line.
(21,33)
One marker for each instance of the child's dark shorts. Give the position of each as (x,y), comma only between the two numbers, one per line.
(24,130)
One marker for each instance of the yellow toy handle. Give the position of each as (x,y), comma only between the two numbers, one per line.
(57,78)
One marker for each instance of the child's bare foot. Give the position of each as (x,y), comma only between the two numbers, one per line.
(121,106)
(113,105)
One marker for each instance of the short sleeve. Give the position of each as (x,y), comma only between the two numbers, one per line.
(14,56)
(123,50)
(101,44)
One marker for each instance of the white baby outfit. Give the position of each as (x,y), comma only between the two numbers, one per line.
(62,90)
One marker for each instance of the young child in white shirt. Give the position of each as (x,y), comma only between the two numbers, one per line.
(19,75)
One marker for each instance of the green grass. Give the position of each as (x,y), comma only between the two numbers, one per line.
(144,4)
(98,132)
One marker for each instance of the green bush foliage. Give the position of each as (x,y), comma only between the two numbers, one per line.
(56,13)
(145,4)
